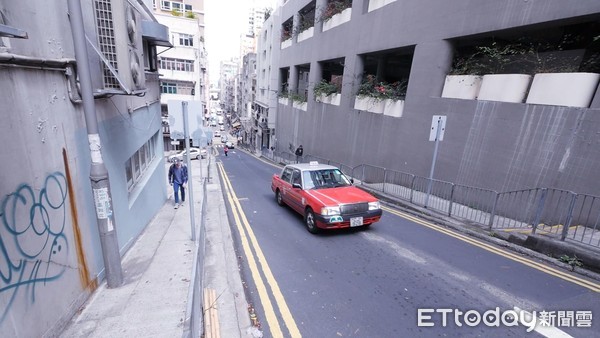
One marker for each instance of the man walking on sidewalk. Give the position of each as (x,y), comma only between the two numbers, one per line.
(178,177)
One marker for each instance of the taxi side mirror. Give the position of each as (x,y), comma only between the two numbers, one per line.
(297,186)
(351,180)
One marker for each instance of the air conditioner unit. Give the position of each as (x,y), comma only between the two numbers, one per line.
(120,44)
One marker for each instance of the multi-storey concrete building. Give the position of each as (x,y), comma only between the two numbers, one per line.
(256,17)
(267,77)
(227,84)
(66,114)
(363,52)
(182,67)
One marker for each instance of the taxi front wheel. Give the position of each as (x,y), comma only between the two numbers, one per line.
(309,220)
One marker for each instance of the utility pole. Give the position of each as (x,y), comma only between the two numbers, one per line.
(98,172)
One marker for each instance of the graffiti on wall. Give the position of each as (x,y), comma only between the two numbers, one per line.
(33,246)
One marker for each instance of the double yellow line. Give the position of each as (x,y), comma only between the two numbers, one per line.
(538,266)
(249,242)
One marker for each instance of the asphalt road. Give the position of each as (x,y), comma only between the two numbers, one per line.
(372,283)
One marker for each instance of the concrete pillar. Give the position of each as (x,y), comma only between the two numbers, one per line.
(430,65)
(314,78)
(353,70)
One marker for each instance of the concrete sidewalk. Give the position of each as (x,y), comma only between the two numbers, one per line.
(158,272)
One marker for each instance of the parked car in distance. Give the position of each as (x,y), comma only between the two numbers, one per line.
(325,197)
(217,133)
(222,128)
(196,153)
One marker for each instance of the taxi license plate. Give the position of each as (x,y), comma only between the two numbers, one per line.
(356,221)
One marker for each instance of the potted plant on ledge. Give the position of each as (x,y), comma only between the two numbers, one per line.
(567,77)
(381,97)
(284,97)
(490,72)
(298,101)
(335,13)
(327,92)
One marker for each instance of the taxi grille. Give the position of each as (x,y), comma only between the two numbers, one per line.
(350,209)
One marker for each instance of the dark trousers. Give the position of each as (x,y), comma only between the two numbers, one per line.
(176,188)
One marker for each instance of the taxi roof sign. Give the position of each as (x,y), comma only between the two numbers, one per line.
(313,163)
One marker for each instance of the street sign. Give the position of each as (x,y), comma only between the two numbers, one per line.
(195,113)
(437,122)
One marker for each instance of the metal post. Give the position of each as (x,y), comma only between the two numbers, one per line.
(451,200)
(540,210)
(435,150)
(493,214)
(186,137)
(569,219)
(384,178)
(98,173)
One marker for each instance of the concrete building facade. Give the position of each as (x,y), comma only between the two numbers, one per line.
(52,257)
(182,67)
(267,78)
(489,142)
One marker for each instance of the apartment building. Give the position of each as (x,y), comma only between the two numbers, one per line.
(182,67)
(55,217)
(376,73)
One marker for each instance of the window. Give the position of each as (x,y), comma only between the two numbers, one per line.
(168,88)
(296,177)
(186,40)
(177,87)
(165,5)
(176,6)
(137,165)
(177,64)
(286,175)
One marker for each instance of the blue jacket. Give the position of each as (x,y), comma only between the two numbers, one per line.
(178,175)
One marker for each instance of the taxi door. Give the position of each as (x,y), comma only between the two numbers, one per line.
(295,195)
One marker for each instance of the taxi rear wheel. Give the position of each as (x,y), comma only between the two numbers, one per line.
(309,220)
(278,197)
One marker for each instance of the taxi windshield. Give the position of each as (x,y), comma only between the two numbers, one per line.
(324,178)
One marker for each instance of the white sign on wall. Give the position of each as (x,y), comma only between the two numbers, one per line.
(437,122)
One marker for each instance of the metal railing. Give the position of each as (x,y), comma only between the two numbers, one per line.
(558,213)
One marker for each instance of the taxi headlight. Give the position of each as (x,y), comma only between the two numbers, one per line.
(374,205)
(330,211)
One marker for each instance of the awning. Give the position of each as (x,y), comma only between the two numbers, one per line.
(156,33)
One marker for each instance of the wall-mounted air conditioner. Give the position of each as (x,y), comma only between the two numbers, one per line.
(120,44)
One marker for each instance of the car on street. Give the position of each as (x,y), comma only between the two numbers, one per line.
(325,197)
(196,153)
(229,144)
(217,133)
(222,128)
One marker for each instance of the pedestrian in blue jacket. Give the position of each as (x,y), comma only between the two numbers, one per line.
(178,177)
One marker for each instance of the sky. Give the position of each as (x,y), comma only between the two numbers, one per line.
(225,20)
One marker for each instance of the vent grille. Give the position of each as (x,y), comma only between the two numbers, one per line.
(349,209)
(106,41)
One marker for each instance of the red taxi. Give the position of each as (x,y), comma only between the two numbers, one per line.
(325,197)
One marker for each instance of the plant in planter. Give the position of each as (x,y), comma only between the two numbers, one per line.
(297,98)
(305,24)
(284,94)
(325,88)
(286,34)
(334,7)
(382,90)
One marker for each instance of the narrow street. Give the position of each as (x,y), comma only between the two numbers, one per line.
(372,283)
